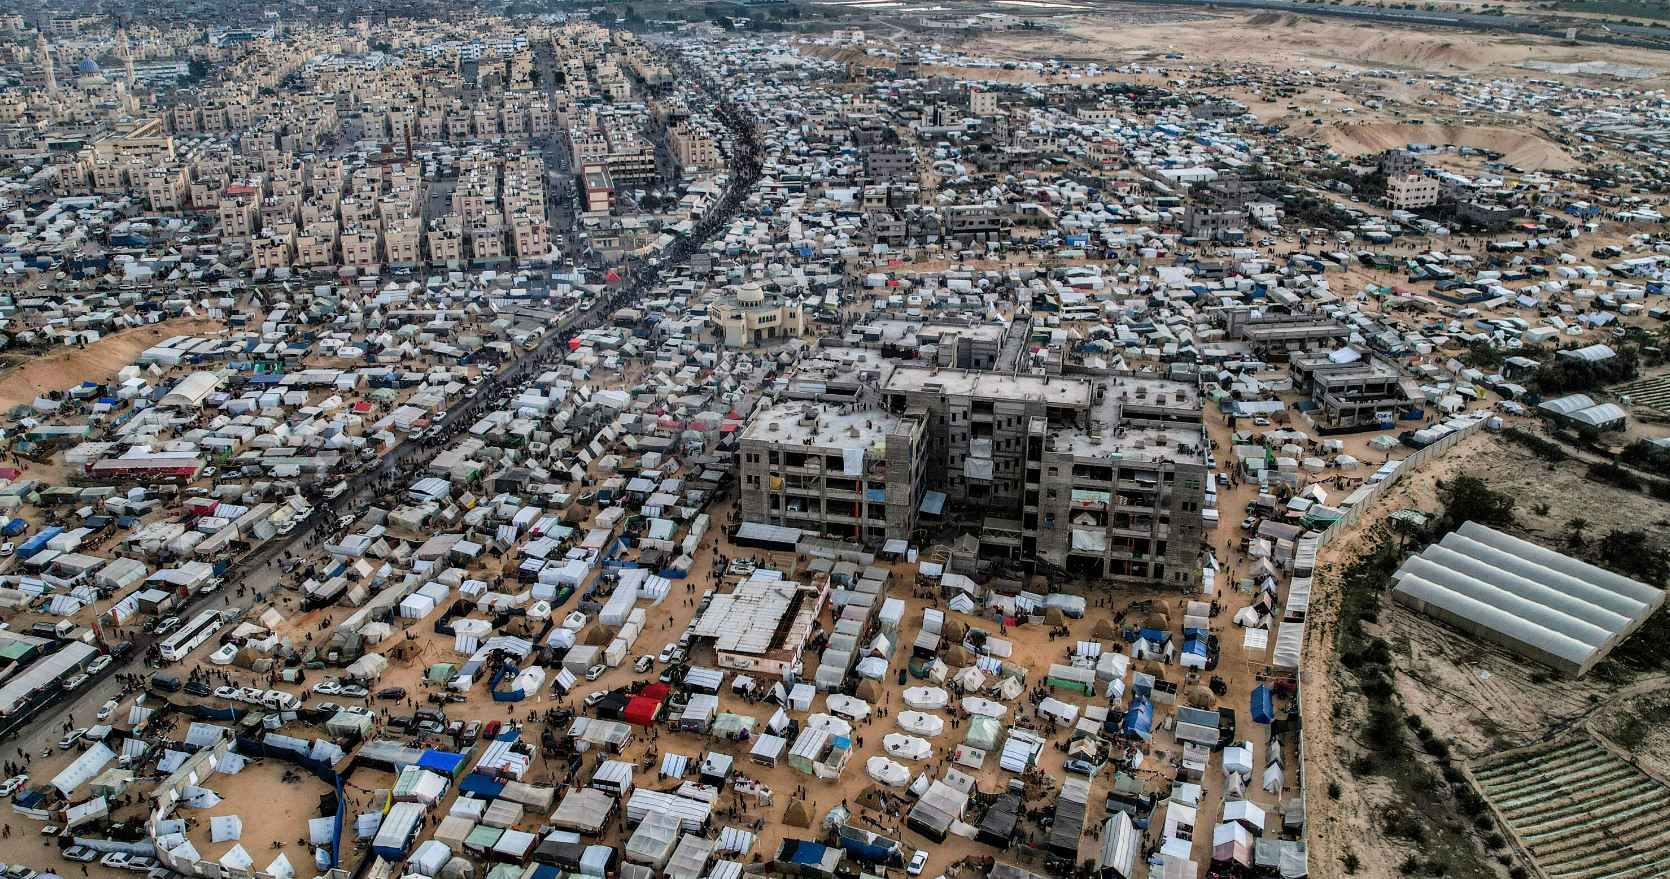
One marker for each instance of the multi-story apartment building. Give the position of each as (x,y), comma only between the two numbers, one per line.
(361,247)
(856,475)
(1410,191)
(1099,477)
(1019,447)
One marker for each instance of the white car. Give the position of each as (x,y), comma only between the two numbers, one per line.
(328,688)
(643,664)
(99,663)
(667,653)
(7,549)
(594,698)
(596,671)
(11,785)
(336,490)
(917,862)
(232,693)
(107,709)
(438,417)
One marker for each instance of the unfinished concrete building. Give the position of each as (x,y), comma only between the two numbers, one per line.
(1355,393)
(852,474)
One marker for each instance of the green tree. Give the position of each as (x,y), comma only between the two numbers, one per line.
(1575,527)
(1468,499)
(1631,553)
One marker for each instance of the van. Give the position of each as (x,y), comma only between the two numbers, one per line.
(166,682)
(280,701)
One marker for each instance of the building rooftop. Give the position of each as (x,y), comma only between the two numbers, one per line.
(1050,390)
(820,426)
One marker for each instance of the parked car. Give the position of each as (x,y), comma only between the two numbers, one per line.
(643,664)
(80,854)
(71,737)
(7,548)
(327,688)
(99,663)
(1081,767)
(335,491)
(118,860)
(354,691)
(392,693)
(14,784)
(1249,523)
(166,625)
(917,862)
(198,688)
(596,671)
(327,707)
(667,653)
(107,709)
(228,693)
(76,682)
(594,698)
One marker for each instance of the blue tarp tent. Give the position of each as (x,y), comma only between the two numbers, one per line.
(1139,719)
(1263,711)
(479,785)
(1157,636)
(444,762)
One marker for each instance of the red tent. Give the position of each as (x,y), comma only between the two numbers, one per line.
(657,691)
(612,277)
(642,711)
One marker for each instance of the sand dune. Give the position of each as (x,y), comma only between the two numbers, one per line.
(1522,148)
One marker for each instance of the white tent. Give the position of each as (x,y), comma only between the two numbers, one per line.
(926,698)
(907,747)
(969,679)
(872,667)
(1238,760)
(225,828)
(921,724)
(848,706)
(237,859)
(984,707)
(887,772)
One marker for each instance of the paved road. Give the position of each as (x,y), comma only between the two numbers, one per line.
(258,572)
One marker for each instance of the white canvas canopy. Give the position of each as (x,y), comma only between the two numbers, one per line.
(984,707)
(848,706)
(926,698)
(920,723)
(907,747)
(887,772)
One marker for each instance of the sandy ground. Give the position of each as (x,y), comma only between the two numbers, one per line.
(1271,39)
(1523,148)
(66,367)
(1478,698)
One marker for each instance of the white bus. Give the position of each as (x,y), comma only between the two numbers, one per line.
(191,636)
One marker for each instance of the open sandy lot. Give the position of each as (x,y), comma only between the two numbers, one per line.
(98,362)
